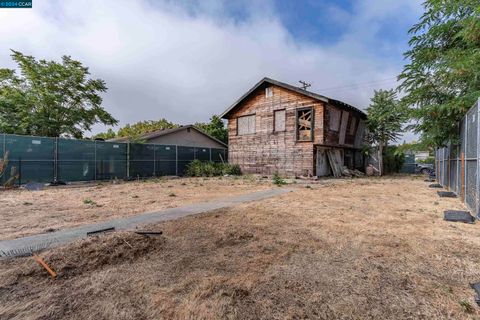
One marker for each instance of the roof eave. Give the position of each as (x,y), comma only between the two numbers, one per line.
(288,87)
(223,115)
(153,135)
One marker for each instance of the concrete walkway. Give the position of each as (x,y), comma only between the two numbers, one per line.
(16,246)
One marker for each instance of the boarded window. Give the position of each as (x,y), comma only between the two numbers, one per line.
(246,125)
(305,124)
(268,92)
(279,118)
(335,119)
(353,123)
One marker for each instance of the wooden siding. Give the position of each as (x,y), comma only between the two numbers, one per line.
(348,123)
(267,151)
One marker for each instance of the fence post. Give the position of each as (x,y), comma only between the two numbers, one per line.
(448,166)
(440,165)
(128,160)
(210,154)
(19,171)
(457,183)
(176,160)
(95,161)
(154,160)
(477,186)
(55,160)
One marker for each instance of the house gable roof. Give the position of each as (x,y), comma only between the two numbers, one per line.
(291,88)
(159,133)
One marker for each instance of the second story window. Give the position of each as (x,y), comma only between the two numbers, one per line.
(279,120)
(268,92)
(246,125)
(305,124)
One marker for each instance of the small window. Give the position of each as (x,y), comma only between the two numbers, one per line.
(279,120)
(268,92)
(246,125)
(305,124)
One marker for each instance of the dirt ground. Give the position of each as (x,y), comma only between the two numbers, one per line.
(24,212)
(352,249)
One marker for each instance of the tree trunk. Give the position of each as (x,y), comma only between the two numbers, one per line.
(380,158)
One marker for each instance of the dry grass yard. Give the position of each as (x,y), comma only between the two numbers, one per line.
(24,212)
(352,249)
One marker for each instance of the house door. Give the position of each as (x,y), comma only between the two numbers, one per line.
(323,166)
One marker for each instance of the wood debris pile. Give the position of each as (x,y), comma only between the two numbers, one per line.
(336,164)
(352,173)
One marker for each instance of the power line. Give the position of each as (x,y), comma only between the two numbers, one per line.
(364,87)
(360,84)
(385,84)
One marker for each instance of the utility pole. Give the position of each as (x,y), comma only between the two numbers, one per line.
(305,85)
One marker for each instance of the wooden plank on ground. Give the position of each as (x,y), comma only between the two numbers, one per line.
(333,159)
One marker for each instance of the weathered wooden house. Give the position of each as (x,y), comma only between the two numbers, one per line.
(279,128)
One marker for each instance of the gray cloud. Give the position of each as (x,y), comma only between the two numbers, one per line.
(162,59)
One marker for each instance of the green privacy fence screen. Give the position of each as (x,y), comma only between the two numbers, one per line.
(40,159)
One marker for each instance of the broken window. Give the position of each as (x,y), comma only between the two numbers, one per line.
(246,125)
(305,124)
(279,120)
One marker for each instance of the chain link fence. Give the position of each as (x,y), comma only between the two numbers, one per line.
(457,166)
(41,159)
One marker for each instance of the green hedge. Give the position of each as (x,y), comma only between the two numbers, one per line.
(198,168)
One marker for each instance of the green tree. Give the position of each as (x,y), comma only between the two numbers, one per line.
(137,129)
(442,79)
(110,134)
(215,128)
(385,118)
(415,146)
(50,98)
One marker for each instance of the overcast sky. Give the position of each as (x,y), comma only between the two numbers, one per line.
(187,60)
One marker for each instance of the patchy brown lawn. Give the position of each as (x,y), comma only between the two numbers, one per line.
(24,212)
(353,249)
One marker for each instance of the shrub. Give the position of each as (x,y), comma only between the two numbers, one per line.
(89,202)
(393,160)
(231,169)
(278,180)
(198,168)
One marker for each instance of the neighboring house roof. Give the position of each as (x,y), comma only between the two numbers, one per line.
(292,88)
(163,132)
